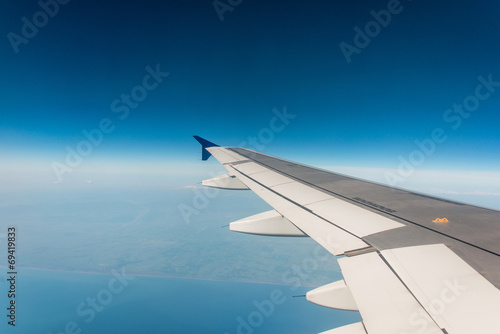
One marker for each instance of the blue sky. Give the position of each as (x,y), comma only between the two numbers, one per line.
(226,77)
(229,81)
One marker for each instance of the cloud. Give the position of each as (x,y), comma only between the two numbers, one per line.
(189,187)
(474,193)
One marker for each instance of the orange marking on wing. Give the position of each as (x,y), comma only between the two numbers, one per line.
(440,220)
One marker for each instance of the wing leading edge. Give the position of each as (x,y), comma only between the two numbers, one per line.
(405,268)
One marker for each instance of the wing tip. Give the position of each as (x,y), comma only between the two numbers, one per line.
(204,145)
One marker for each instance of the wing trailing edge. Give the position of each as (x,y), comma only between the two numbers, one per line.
(403,273)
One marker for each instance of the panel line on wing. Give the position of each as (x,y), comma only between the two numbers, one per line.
(333,238)
(385,303)
(348,199)
(296,204)
(346,216)
(449,289)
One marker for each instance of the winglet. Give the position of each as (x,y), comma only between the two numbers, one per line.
(204,144)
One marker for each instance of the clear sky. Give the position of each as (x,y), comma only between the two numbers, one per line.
(66,74)
(100,99)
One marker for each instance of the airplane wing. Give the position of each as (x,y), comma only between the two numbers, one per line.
(411,263)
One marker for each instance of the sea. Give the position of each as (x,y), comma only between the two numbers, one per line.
(57,302)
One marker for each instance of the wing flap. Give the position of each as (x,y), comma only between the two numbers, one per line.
(266,223)
(271,178)
(249,168)
(300,193)
(225,181)
(356,328)
(349,217)
(386,305)
(334,239)
(334,295)
(451,291)
(398,290)
(359,221)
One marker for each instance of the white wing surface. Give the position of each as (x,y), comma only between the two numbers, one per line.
(412,263)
